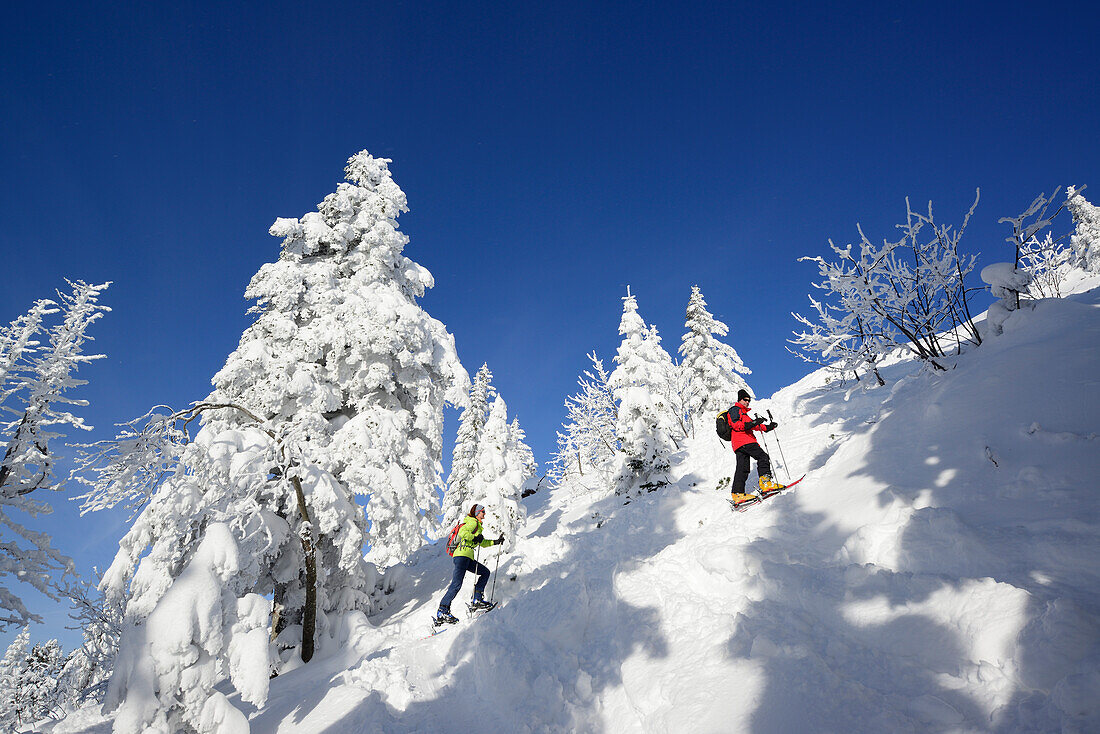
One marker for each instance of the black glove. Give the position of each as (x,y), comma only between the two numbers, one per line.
(753,424)
(772,426)
(499,540)
(478,538)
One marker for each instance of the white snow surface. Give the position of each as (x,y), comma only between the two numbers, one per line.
(937,570)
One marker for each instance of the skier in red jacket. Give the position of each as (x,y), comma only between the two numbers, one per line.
(746,448)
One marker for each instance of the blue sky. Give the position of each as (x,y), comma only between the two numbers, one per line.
(551,154)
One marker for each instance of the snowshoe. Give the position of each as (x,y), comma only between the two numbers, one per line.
(480,605)
(443,617)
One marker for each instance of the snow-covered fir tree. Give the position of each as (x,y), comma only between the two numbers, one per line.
(646,423)
(11,667)
(711,370)
(502,464)
(458,497)
(38,363)
(1086,236)
(336,392)
(588,446)
(36,695)
(343,357)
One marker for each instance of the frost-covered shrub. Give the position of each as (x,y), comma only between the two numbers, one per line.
(910,294)
(588,445)
(1047,263)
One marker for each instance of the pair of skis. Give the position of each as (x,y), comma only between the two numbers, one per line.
(756,500)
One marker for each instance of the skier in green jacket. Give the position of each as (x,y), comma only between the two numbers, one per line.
(469,538)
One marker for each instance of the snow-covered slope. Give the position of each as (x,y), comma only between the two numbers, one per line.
(938,570)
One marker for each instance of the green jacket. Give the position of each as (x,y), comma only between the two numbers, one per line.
(470,527)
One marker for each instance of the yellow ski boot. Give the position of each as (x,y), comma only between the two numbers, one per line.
(768,486)
(740,501)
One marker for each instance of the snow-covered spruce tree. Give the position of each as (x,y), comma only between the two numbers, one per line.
(711,370)
(525,457)
(336,391)
(1086,237)
(645,423)
(502,464)
(343,357)
(588,447)
(458,497)
(11,667)
(36,694)
(36,380)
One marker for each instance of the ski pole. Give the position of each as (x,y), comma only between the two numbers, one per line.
(493,593)
(781,456)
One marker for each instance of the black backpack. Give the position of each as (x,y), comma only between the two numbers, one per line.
(722,425)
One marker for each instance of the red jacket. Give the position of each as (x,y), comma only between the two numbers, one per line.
(738,417)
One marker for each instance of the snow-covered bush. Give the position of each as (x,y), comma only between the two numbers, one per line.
(11,667)
(1086,236)
(910,294)
(37,366)
(710,370)
(203,629)
(1006,283)
(646,422)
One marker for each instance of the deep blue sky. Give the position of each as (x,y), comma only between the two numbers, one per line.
(551,155)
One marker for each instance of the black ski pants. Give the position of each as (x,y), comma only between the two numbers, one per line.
(744,454)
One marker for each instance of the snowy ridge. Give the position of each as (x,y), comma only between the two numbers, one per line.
(938,570)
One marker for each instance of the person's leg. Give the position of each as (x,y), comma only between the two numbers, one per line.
(741,474)
(763,461)
(461,566)
(482,572)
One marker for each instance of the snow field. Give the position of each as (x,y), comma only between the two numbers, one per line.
(938,570)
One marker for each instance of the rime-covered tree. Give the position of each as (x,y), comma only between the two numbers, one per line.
(589,444)
(335,393)
(11,667)
(343,356)
(502,464)
(1086,237)
(458,498)
(711,370)
(87,670)
(36,688)
(645,421)
(38,362)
